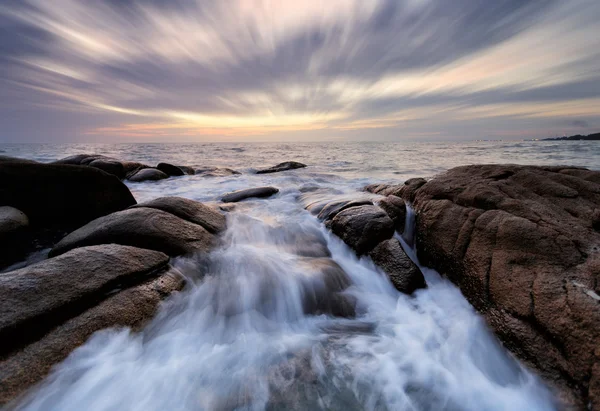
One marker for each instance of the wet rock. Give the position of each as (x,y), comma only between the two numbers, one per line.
(74,159)
(132,167)
(403,273)
(381,189)
(322,293)
(288,165)
(217,172)
(170,169)
(520,242)
(113,167)
(147,174)
(239,195)
(7,159)
(14,227)
(396,209)
(330,210)
(190,210)
(140,227)
(187,170)
(53,195)
(131,308)
(40,296)
(363,227)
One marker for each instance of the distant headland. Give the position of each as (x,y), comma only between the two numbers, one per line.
(576,137)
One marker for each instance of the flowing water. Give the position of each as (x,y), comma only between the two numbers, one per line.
(239,336)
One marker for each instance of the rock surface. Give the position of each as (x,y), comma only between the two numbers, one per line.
(113,167)
(396,210)
(132,307)
(147,174)
(42,295)
(216,172)
(14,230)
(190,210)
(170,169)
(523,244)
(61,195)
(363,227)
(403,273)
(239,195)
(140,227)
(288,165)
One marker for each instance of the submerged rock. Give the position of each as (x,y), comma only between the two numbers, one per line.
(140,227)
(216,172)
(40,296)
(522,243)
(170,169)
(363,227)
(239,195)
(147,174)
(54,195)
(190,210)
(403,273)
(288,165)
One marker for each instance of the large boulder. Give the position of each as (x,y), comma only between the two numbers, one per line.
(330,210)
(239,195)
(140,227)
(147,174)
(523,244)
(132,307)
(396,209)
(170,169)
(288,165)
(14,227)
(190,210)
(110,166)
(42,295)
(363,227)
(403,273)
(54,195)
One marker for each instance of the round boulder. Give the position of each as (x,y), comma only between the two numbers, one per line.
(170,169)
(363,227)
(239,195)
(148,174)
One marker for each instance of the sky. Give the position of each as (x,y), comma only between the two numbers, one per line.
(297,70)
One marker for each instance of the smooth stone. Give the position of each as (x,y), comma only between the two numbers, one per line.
(131,308)
(188,170)
(113,167)
(190,210)
(132,167)
(402,272)
(288,165)
(396,209)
(363,227)
(73,160)
(42,295)
(217,172)
(522,245)
(7,159)
(14,230)
(148,174)
(54,195)
(330,210)
(170,169)
(239,195)
(140,227)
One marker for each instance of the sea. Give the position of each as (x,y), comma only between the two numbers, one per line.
(236,338)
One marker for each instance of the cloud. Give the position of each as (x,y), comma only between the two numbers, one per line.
(580,124)
(251,67)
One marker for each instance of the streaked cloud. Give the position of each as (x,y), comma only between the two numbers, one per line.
(258,69)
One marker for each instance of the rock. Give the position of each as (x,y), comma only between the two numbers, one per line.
(381,189)
(140,227)
(288,165)
(14,227)
(7,159)
(170,169)
(187,170)
(147,174)
(53,195)
(73,160)
(239,195)
(189,210)
(521,243)
(323,286)
(41,296)
(132,308)
(330,210)
(396,209)
(217,172)
(113,167)
(363,227)
(132,167)
(403,273)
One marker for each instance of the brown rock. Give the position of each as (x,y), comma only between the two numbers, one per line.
(522,244)
(285,166)
(147,174)
(190,210)
(396,209)
(140,227)
(258,192)
(363,227)
(403,273)
(216,172)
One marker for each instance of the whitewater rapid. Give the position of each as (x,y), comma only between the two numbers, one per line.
(238,337)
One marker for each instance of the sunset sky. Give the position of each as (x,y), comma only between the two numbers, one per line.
(288,70)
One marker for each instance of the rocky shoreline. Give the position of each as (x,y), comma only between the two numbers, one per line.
(521,242)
